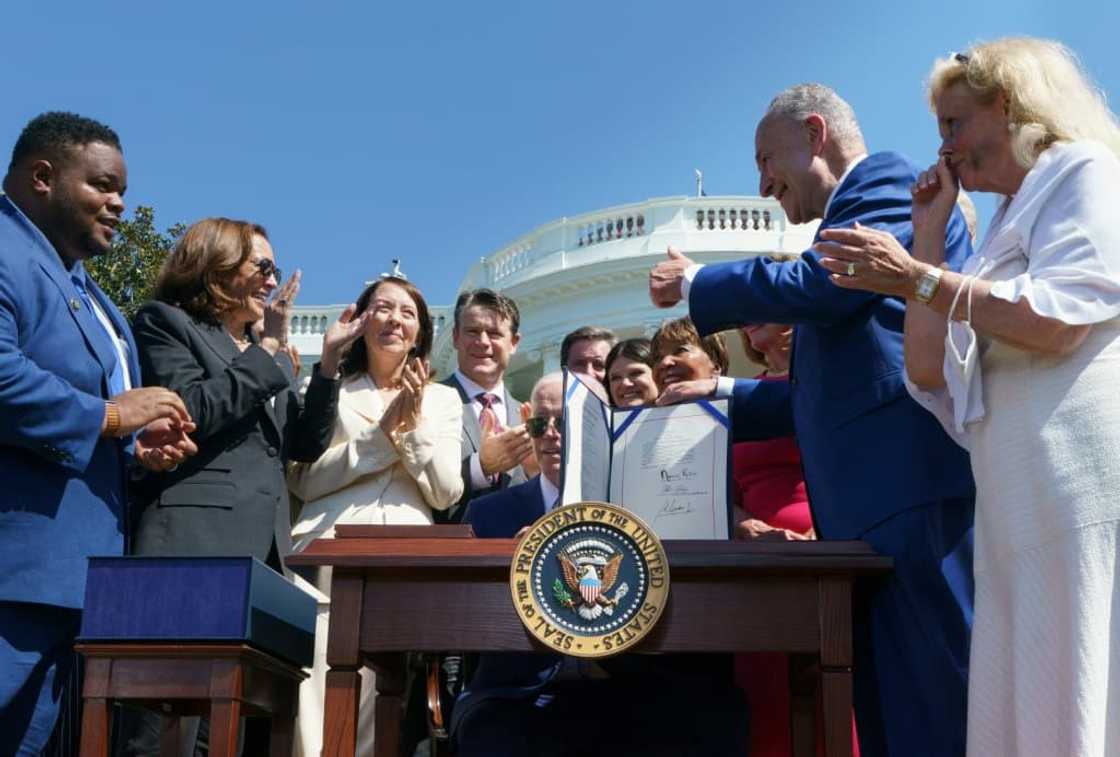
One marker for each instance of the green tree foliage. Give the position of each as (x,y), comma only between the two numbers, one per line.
(128,271)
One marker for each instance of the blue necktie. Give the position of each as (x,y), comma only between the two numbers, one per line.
(116,373)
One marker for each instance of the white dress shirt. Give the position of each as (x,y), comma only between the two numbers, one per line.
(479,479)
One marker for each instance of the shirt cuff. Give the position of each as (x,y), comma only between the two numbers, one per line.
(725,387)
(689,275)
(478,479)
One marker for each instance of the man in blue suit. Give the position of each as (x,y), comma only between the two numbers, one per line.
(877,467)
(541,705)
(68,412)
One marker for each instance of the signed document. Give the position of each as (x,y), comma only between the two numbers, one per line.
(668,465)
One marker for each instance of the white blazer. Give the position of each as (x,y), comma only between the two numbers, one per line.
(365,478)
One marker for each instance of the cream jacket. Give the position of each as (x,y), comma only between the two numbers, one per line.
(364,477)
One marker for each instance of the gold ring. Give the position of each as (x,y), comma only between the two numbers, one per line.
(851,269)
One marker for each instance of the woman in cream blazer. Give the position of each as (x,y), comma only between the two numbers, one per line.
(393,458)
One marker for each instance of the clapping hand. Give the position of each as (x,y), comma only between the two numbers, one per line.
(403,413)
(164,443)
(504,449)
(339,336)
(277,314)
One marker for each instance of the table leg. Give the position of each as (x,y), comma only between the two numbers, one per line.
(95,727)
(282,728)
(340,712)
(225,720)
(836,689)
(803,705)
(391,685)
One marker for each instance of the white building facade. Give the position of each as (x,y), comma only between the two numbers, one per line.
(593,269)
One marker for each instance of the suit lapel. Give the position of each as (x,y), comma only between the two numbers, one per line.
(470,420)
(215,337)
(360,396)
(270,409)
(532,503)
(94,334)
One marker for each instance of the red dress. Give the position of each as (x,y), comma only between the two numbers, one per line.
(772,489)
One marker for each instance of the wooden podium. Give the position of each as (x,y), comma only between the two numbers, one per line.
(429,589)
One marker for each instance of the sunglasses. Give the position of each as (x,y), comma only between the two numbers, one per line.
(538,425)
(267,268)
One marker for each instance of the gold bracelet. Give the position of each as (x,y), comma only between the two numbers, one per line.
(112,419)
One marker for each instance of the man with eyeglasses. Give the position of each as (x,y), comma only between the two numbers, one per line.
(541,704)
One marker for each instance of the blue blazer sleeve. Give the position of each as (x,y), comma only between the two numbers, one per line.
(761,410)
(761,290)
(39,410)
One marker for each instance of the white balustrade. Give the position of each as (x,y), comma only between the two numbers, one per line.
(747,216)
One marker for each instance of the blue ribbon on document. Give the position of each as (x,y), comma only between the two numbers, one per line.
(715,413)
(621,428)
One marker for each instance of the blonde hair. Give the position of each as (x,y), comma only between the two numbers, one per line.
(1050,98)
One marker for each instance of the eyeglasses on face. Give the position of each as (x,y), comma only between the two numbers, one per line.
(538,425)
(267,268)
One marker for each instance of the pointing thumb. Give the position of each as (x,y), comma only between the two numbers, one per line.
(674,253)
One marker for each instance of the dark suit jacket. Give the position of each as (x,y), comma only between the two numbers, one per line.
(472,440)
(231,498)
(64,485)
(515,675)
(868,450)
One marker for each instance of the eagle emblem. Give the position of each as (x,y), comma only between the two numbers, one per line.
(590,570)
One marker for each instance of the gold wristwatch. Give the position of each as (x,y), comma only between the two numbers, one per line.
(928,285)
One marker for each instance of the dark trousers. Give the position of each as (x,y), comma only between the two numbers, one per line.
(650,716)
(912,634)
(36,659)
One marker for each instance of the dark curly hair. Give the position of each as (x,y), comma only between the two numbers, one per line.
(51,134)
(356,359)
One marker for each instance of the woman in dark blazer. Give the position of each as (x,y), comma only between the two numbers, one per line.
(213,336)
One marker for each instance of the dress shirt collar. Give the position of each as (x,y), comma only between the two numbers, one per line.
(855,162)
(473,390)
(550,495)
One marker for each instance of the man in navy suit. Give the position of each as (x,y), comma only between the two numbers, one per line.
(68,409)
(877,466)
(541,705)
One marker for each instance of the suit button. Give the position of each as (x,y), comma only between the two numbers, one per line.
(793,381)
(273,452)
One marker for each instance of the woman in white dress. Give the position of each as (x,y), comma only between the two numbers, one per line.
(394,457)
(1019,356)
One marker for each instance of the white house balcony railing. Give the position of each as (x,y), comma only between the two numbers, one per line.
(715,223)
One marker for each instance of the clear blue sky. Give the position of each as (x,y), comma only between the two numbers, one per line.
(438,132)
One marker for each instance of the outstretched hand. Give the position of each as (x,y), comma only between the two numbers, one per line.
(687,391)
(339,336)
(667,278)
(868,259)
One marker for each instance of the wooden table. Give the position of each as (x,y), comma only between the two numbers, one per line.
(409,592)
(225,681)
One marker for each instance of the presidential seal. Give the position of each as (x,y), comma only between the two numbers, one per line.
(589,579)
